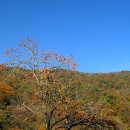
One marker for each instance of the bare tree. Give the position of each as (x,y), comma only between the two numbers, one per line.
(43,68)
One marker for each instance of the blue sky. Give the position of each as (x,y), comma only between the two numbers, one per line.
(96,32)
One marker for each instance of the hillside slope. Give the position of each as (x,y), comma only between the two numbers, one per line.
(112,90)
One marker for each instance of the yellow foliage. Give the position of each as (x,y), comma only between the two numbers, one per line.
(14,129)
(42,127)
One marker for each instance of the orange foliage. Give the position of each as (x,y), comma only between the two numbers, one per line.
(42,127)
(5,88)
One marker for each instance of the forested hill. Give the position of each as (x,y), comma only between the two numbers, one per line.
(111,90)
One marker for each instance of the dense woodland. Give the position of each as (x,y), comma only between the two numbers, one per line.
(51,95)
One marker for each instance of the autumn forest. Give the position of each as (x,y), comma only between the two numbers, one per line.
(42,90)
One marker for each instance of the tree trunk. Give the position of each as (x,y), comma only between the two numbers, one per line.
(48,119)
(48,125)
(48,128)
